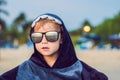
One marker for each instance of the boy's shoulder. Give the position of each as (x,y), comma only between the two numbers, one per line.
(92,73)
(9,75)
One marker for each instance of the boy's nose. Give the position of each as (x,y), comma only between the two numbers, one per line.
(44,40)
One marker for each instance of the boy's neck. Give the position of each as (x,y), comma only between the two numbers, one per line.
(51,59)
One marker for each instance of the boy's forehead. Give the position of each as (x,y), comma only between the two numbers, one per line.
(47,25)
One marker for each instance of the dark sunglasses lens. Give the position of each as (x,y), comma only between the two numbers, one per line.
(36,37)
(52,36)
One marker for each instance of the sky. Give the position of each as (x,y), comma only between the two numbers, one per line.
(72,12)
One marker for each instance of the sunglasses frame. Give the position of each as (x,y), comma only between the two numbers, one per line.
(44,33)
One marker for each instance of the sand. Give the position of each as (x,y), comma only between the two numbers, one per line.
(106,61)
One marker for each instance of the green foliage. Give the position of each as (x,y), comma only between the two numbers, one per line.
(3,2)
(108,27)
(105,29)
(21,36)
(20,19)
(19,29)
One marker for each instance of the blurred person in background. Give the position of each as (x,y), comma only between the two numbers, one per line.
(54,56)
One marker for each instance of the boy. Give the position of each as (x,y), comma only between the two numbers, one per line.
(54,56)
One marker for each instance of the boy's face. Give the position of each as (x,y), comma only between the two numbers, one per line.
(45,47)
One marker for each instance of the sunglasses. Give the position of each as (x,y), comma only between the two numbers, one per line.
(50,36)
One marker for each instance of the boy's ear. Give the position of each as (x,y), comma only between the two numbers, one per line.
(61,40)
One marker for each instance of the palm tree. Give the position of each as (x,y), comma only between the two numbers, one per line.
(2,11)
(2,21)
(20,28)
(3,2)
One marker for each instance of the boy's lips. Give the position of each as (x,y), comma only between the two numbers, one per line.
(45,48)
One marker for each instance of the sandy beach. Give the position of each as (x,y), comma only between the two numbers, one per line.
(106,61)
